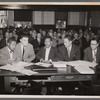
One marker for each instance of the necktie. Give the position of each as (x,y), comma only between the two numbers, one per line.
(94,58)
(23,50)
(68,52)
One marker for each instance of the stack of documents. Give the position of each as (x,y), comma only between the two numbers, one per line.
(43,64)
(59,64)
(19,67)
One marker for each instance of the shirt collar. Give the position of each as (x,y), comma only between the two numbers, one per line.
(69,48)
(48,48)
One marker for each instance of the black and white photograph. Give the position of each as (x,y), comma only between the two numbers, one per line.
(50,49)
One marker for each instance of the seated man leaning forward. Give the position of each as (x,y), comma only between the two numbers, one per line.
(6,53)
(24,51)
(48,53)
(92,53)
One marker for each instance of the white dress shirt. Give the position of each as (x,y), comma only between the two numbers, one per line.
(94,52)
(10,53)
(22,47)
(69,50)
(47,51)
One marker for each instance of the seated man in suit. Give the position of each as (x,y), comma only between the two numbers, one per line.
(24,51)
(92,53)
(6,53)
(47,53)
(68,51)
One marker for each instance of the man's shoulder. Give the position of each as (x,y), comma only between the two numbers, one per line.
(4,48)
(18,44)
(30,45)
(75,46)
(61,47)
(87,49)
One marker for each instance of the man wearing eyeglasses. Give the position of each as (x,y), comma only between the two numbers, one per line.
(92,53)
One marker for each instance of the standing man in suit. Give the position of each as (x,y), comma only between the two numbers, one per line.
(47,53)
(6,53)
(68,51)
(92,53)
(24,51)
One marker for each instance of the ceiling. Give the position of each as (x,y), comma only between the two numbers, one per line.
(51,7)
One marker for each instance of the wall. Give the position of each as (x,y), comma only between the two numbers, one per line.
(10,17)
(95,18)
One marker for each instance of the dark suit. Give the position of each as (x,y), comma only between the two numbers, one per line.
(88,55)
(52,54)
(2,43)
(63,53)
(37,45)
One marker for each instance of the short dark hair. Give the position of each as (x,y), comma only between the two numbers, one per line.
(11,39)
(24,35)
(95,39)
(48,37)
(69,37)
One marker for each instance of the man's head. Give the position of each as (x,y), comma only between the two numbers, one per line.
(24,40)
(94,43)
(39,35)
(11,43)
(7,34)
(48,41)
(68,40)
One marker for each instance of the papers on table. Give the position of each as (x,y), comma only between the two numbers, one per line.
(82,67)
(84,70)
(81,63)
(19,67)
(42,64)
(59,64)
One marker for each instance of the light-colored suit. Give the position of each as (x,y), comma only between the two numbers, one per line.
(89,57)
(4,56)
(29,54)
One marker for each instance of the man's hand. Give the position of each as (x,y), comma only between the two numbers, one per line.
(42,60)
(10,61)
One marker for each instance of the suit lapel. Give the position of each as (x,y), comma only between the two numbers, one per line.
(7,53)
(20,50)
(91,55)
(97,55)
(72,52)
(43,55)
(66,53)
(50,53)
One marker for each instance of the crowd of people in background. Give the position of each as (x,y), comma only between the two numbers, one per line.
(49,45)
(36,37)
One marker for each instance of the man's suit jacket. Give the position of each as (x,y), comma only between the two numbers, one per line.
(36,44)
(4,56)
(88,55)
(29,54)
(52,54)
(63,53)
(2,43)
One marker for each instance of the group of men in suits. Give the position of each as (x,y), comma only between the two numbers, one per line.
(24,51)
